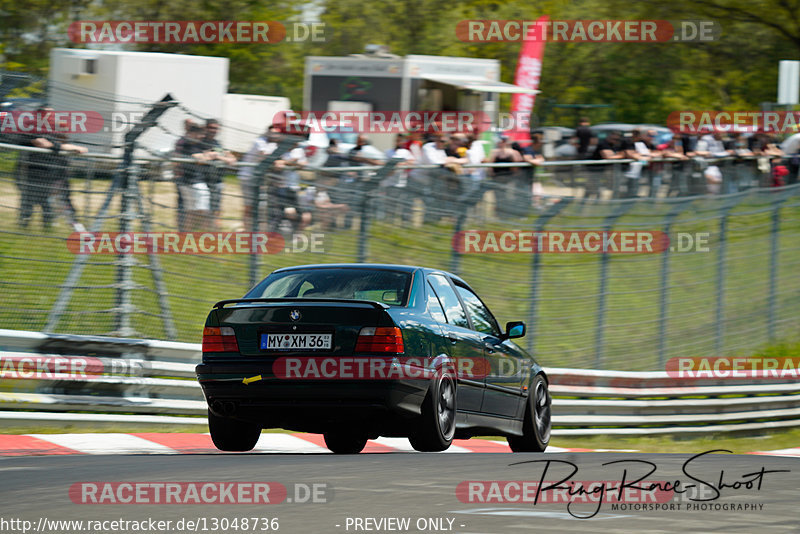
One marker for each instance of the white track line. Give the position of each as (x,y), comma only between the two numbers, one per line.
(106,443)
(398,444)
(780,452)
(286,443)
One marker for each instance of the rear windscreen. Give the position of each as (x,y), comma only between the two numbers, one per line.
(388,287)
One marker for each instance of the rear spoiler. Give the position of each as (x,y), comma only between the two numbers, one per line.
(377,305)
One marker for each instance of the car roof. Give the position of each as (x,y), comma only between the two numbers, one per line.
(368,266)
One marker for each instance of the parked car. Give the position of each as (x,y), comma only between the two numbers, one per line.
(663,134)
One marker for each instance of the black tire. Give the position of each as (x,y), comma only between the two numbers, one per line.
(231,435)
(537,424)
(437,423)
(343,443)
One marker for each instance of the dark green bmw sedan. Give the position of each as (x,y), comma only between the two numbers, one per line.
(358,351)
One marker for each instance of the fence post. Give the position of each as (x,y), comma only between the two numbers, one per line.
(455,255)
(363,224)
(464,202)
(729,204)
(663,297)
(123,307)
(773,268)
(723,229)
(620,210)
(538,226)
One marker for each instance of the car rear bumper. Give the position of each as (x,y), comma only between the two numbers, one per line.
(247,391)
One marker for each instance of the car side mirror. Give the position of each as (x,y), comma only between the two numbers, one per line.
(515,329)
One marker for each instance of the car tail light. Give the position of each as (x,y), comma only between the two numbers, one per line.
(380,339)
(219,339)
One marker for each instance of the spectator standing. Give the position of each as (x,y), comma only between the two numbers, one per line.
(433,153)
(642,150)
(791,147)
(61,187)
(263,146)
(475,156)
(397,183)
(39,171)
(343,191)
(217,159)
(569,149)
(362,155)
(503,177)
(584,135)
(608,148)
(194,200)
(712,146)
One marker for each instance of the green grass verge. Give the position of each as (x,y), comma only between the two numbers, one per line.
(666,444)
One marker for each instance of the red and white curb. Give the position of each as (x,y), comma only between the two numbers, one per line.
(274,443)
(180,443)
(792,453)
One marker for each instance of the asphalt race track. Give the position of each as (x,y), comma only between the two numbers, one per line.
(363,489)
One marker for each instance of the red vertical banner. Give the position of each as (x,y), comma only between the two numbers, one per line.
(529,70)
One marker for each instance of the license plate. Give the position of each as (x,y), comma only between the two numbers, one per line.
(296,341)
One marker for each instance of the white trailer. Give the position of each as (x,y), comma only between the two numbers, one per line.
(122,86)
(244,117)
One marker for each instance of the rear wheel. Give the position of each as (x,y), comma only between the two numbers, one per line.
(437,423)
(343,443)
(537,424)
(231,435)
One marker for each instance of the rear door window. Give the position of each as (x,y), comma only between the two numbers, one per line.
(482,319)
(454,312)
(434,306)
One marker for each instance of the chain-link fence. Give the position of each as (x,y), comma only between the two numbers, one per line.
(726,284)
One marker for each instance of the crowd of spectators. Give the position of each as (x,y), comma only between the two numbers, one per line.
(437,170)
(780,161)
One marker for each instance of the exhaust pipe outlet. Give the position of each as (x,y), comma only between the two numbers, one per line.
(223,408)
(217,407)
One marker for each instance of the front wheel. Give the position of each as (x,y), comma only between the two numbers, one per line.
(537,424)
(343,443)
(231,435)
(437,423)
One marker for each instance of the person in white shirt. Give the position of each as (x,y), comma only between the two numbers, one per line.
(399,178)
(791,145)
(475,155)
(264,145)
(433,153)
(712,145)
(289,163)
